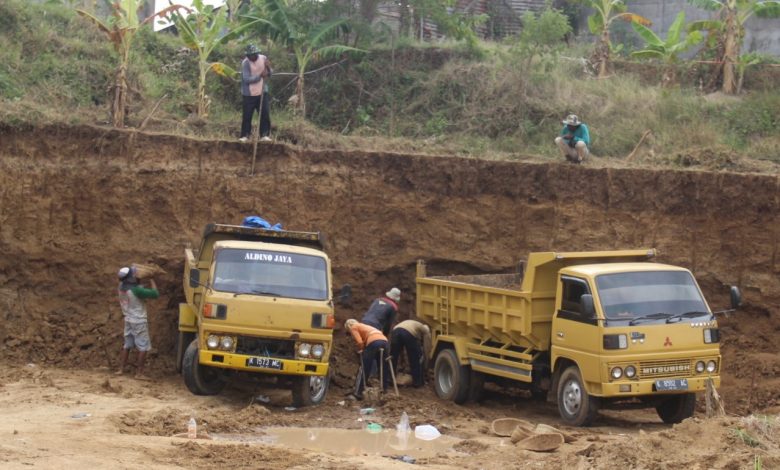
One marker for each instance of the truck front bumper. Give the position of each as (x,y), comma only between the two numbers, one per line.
(227,360)
(629,388)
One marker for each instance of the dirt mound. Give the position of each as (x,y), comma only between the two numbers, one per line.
(82,202)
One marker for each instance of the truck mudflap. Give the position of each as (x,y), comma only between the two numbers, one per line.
(266,365)
(664,386)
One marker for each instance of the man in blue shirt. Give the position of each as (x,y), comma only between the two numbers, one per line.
(574,139)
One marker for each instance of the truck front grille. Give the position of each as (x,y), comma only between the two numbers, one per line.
(265,347)
(670,368)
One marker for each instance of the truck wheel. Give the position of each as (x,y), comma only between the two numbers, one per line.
(181,346)
(575,405)
(676,408)
(309,390)
(200,379)
(451,380)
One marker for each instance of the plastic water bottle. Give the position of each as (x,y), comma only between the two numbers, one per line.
(192,429)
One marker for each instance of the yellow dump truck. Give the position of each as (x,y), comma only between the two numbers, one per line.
(592,329)
(258,301)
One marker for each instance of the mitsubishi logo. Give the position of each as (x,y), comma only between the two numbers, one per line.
(668,342)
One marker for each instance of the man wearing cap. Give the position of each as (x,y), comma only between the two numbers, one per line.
(255,68)
(574,139)
(131,299)
(415,337)
(383,311)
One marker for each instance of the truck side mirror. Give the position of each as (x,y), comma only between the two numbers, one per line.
(345,295)
(736,297)
(587,307)
(194,277)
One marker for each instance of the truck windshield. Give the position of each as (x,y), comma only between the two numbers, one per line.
(655,295)
(272,273)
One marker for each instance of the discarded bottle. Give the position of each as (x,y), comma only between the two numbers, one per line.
(403,425)
(192,429)
(367,411)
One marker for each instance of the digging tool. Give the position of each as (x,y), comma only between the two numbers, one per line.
(381,369)
(392,374)
(256,134)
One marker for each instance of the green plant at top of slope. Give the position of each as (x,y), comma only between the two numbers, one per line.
(120,29)
(542,36)
(606,12)
(730,26)
(668,49)
(460,26)
(295,24)
(203,29)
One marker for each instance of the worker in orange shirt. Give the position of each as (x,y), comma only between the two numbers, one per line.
(369,341)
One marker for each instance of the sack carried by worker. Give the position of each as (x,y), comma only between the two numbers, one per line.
(146,270)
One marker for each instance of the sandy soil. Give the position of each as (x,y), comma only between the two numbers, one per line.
(89,418)
(82,202)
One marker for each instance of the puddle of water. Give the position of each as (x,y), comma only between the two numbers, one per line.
(347,441)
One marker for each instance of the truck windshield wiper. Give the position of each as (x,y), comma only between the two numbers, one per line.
(257,292)
(692,314)
(652,316)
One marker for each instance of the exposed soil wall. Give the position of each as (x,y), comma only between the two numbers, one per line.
(77,203)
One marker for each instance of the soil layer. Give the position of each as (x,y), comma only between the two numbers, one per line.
(78,203)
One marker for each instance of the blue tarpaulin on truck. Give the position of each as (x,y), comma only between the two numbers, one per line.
(257,221)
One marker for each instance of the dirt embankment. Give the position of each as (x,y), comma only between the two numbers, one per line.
(77,203)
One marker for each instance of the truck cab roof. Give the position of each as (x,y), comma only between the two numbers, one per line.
(592,270)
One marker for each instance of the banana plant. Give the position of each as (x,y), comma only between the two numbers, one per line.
(606,12)
(120,29)
(733,14)
(202,29)
(667,49)
(290,24)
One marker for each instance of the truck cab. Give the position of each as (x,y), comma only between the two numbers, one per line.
(258,301)
(631,331)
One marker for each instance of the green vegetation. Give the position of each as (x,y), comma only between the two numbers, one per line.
(667,49)
(605,13)
(448,98)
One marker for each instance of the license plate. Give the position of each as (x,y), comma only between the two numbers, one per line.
(264,362)
(671,384)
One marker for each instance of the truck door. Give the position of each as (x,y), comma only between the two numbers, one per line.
(575,335)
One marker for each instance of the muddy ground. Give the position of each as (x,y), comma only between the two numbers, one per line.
(77,203)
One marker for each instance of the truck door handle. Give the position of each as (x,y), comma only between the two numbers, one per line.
(560,334)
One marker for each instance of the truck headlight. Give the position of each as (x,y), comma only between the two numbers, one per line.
(711,366)
(630,372)
(317,351)
(304,349)
(226,343)
(700,366)
(711,335)
(616,373)
(212,341)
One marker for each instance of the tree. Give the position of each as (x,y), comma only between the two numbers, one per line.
(202,30)
(606,12)
(293,23)
(733,15)
(667,50)
(120,28)
(542,35)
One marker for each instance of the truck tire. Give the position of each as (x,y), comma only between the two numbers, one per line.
(575,405)
(309,390)
(676,408)
(451,380)
(200,379)
(182,342)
